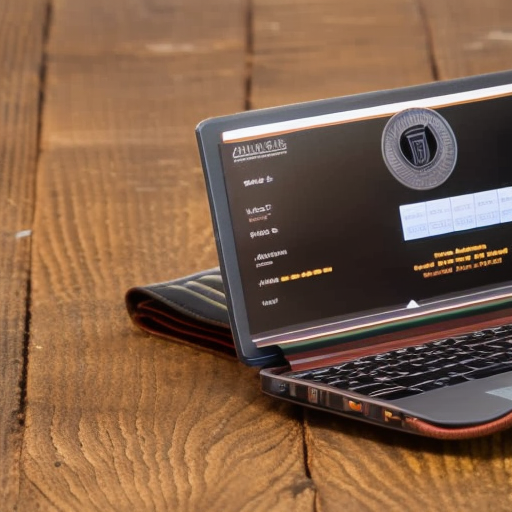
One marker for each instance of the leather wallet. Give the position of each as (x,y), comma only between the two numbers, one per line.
(190,309)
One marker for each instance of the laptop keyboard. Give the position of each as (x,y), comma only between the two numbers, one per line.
(408,371)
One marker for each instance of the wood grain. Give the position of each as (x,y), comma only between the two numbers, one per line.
(469,37)
(117,420)
(335,48)
(307,50)
(21,53)
(382,469)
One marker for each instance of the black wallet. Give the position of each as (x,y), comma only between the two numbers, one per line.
(190,309)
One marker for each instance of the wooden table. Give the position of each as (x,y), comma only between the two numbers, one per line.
(101,189)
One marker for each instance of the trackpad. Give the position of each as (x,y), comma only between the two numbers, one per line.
(472,402)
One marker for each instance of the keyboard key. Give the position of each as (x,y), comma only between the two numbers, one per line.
(395,393)
(489,371)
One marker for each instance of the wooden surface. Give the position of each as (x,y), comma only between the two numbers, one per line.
(22,26)
(98,104)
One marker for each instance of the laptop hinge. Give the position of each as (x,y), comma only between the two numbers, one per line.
(310,358)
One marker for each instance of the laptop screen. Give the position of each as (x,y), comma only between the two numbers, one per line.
(326,229)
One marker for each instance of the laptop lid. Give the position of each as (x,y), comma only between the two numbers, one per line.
(360,213)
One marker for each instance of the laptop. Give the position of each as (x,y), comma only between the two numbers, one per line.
(365,244)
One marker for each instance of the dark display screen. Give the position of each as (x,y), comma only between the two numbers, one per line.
(324,230)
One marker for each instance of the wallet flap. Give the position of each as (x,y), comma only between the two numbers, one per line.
(191,309)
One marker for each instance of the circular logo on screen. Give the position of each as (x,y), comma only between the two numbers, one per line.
(419,148)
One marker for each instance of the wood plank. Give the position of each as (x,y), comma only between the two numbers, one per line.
(327,48)
(308,50)
(118,420)
(368,468)
(469,38)
(22,25)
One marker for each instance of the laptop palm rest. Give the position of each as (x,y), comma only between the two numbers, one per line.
(469,403)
